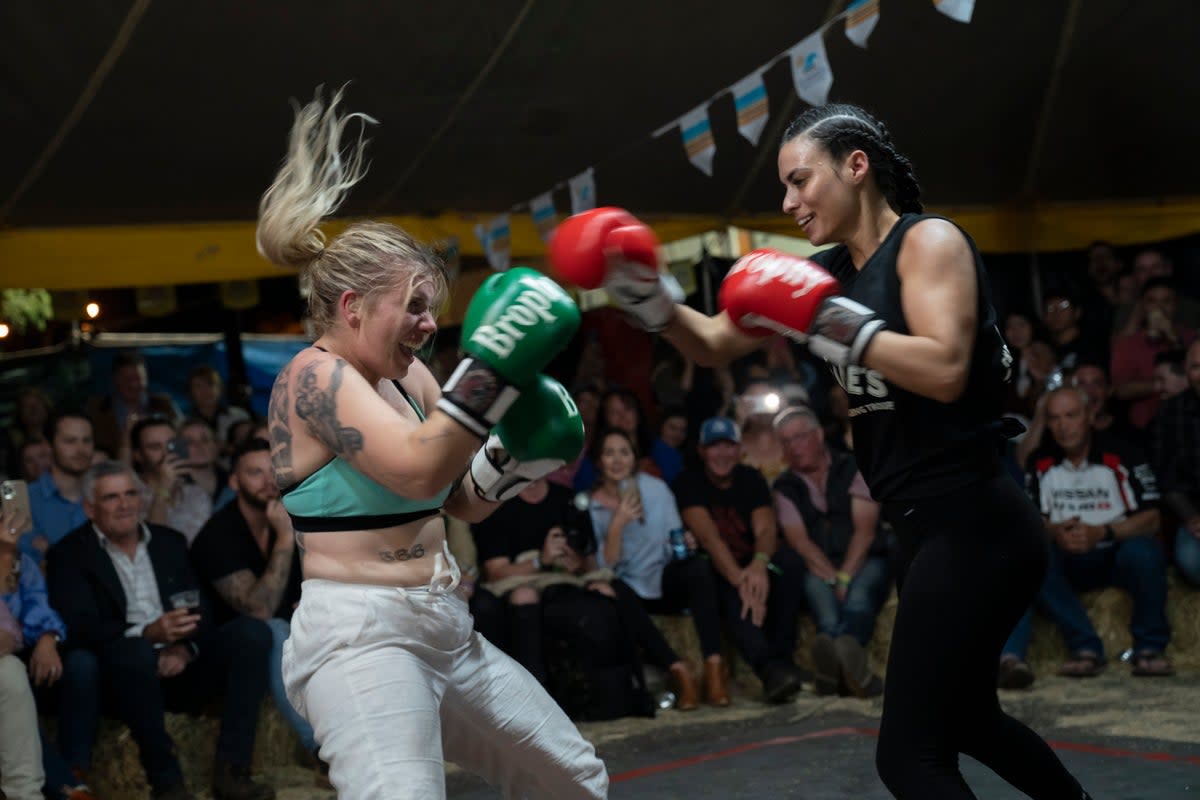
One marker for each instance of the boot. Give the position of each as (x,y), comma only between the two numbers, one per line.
(715,690)
(234,783)
(687,696)
(826,664)
(855,669)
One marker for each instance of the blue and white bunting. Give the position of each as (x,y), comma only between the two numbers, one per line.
(750,101)
(541,208)
(583,191)
(698,140)
(496,238)
(810,69)
(861,16)
(958,10)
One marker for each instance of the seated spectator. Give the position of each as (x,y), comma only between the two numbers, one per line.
(619,408)
(1133,354)
(587,400)
(1175,454)
(540,564)
(31,412)
(1062,315)
(1103,268)
(1099,500)
(838,433)
(201,463)
(33,460)
(1148,265)
(41,631)
(633,516)
(1021,330)
(56,499)
(727,506)
(757,405)
(204,387)
(21,773)
(113,580)
(667,450)
(1093,380)
(114,414)
(827,516)
(174,499)
(1170,375)
(246,553)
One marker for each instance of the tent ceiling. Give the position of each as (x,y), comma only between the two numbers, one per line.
(190,123)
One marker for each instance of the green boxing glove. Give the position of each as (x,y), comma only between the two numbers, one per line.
(516,323)
(541,432)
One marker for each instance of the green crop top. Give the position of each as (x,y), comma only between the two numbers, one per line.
(337,497)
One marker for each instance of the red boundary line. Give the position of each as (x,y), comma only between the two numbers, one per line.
(667,766)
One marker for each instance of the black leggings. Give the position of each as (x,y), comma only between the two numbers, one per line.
(969,564)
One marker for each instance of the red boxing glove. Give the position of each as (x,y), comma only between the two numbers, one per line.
(769,292)
(610,247)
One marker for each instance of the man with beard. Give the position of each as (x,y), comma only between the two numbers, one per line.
(56,498)
(727,506)
(246,552)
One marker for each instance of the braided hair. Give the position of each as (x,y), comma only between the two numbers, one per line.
(842,129)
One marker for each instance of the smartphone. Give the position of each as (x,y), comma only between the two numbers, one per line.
(179,448)
(15,494)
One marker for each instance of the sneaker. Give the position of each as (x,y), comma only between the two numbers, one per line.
(1014,674)
(780,683)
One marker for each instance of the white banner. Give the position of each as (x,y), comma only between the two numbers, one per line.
(583,191)
(960,10)
(810,70)
(698,140)
(496,239)
(750,101)
(541,208)
(861,16)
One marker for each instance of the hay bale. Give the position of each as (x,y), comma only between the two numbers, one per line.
(117,771)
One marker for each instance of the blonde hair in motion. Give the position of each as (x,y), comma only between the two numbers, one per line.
(316,175)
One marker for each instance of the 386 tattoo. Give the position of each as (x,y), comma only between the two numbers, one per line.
(402,554)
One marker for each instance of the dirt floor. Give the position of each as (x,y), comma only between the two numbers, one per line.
(1142,719)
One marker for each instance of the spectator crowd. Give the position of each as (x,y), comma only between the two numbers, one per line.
(156,570)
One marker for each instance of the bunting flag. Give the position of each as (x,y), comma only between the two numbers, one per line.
(861,16)
(583,191)
(960,10)
(451,253)
(698,140)
(750,101)
(541,208)
(810,69)
(496,241)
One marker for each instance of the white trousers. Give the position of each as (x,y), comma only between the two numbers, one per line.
(21,775)
(394,680)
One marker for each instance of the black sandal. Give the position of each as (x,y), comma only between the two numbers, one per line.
(1083,664)
(1152,664)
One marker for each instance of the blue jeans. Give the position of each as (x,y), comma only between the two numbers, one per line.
(1187,555)
(856,617)
(1135,565)
(280,630)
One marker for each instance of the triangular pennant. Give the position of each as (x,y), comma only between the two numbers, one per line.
(583,191)
(450,251)
(698,140)
(959,10)
(497,242)
(750,101)
(810,70)
(541,208)
(861,16)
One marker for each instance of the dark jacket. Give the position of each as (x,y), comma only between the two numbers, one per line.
(86,592)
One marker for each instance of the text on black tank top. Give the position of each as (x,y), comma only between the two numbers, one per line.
(909,446)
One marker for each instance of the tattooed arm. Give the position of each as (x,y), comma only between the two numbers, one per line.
(259,597)
(322,405)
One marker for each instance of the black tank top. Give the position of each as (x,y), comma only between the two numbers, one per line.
(908,446)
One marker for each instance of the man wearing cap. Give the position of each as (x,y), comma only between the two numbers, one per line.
(727,506)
